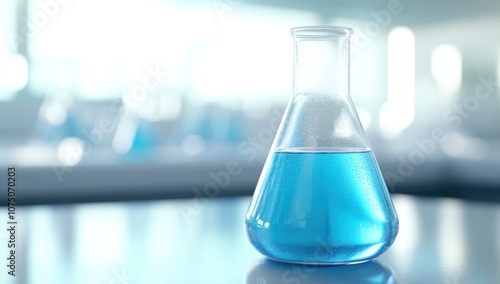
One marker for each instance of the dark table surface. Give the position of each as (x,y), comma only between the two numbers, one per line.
(440,240)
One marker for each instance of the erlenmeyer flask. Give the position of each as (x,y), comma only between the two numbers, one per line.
(321,197)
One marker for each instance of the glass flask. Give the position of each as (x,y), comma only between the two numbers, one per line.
(321,198)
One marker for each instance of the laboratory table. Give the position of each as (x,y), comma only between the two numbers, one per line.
(441,240)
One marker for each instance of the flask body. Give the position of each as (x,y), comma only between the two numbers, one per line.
(321,197)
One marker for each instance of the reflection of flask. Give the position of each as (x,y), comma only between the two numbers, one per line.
(321,197)
(370,272)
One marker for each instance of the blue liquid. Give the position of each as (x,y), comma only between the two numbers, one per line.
(321,207)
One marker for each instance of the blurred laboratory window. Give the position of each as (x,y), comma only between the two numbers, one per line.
(102,85)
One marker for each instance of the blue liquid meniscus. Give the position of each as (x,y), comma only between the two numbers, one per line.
(321,207)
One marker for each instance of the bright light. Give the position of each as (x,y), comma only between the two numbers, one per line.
(55,107)
(18,72)
(241,66)
(446,67)
(13,75)
(166,218)
(100,249)
(54,112)
(451,235)
(70,151)
(95,80)
(399,111)
(42,220)
(124,136)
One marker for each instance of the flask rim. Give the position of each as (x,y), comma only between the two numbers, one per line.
(321,32)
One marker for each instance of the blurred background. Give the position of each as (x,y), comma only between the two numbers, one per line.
(116,100)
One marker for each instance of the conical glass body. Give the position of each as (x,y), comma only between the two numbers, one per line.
(321,197)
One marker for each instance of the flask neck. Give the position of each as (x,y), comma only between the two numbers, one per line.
(321,63)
